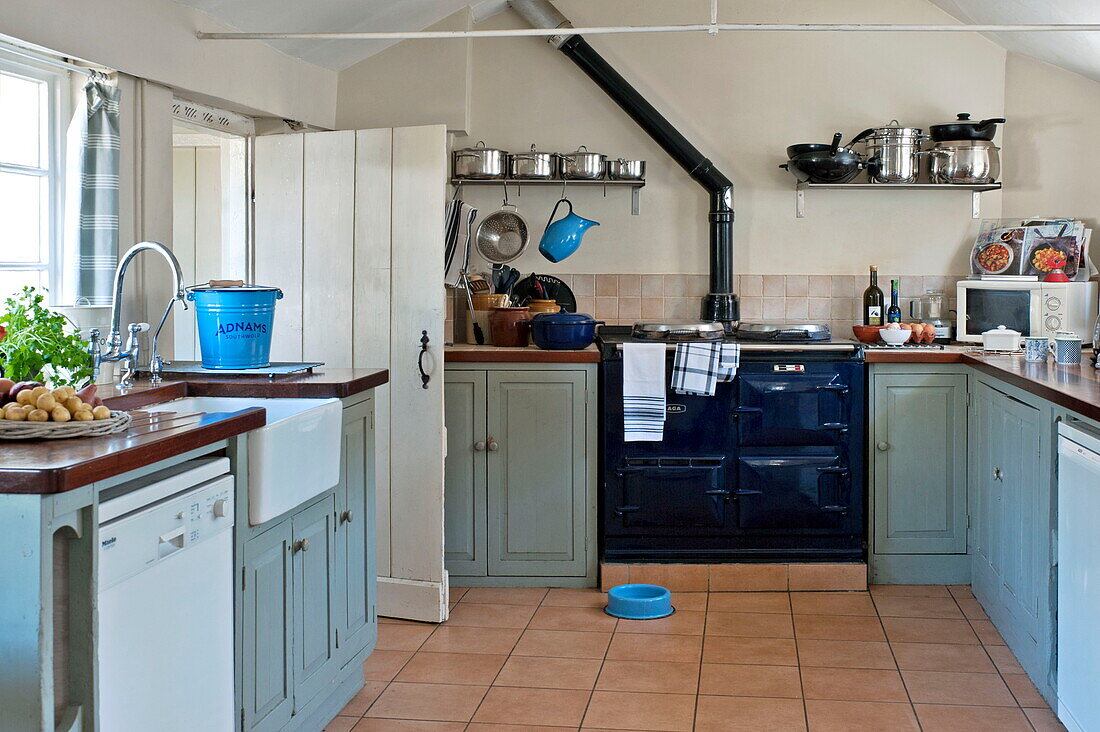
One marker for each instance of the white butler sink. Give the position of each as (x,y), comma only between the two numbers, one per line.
(291,459)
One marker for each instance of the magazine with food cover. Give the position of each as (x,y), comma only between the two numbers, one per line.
(1030,247)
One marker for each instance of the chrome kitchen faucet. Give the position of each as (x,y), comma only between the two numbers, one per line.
(129,357)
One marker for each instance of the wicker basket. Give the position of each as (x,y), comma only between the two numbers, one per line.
(10,430)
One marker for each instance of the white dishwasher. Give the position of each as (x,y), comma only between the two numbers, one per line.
(1078,577)
(165,653)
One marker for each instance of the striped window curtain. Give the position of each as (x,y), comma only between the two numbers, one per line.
(92,192)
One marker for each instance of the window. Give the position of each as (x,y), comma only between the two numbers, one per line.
(31,179)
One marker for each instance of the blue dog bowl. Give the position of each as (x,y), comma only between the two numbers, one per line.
(639,602)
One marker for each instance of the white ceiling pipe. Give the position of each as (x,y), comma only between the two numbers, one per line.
(616,30)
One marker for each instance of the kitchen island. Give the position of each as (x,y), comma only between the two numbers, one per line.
(297,653)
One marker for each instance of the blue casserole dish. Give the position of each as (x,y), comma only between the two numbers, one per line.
(563,331)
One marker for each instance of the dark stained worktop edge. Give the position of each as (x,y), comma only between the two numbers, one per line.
(464,353)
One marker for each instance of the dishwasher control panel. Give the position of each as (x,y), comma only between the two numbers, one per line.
(154,533)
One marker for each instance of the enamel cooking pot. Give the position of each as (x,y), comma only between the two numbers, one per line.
(563,331)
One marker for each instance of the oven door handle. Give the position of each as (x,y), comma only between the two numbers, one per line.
(841,388)
(843,473)
(621,510)
(838,426)
(738,411)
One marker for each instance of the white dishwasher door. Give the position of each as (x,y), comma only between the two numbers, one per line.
(166,613)
(1078,578)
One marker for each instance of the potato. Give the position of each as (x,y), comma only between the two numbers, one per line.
(101,412)
(38,415)
(73,403)
(83,415)
(39,391)
(46,402)
(60,414)
(24,397)
(15,414)
(62,393)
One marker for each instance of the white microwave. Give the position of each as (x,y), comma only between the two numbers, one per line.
(1031,307)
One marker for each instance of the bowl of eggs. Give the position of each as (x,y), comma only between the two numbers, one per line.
(32,411)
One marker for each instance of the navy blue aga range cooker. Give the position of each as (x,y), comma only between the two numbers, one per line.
(771,468)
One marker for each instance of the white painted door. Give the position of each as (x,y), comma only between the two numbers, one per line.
(349,225)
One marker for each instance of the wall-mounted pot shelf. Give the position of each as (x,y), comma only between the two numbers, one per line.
(975,190)
(635,186)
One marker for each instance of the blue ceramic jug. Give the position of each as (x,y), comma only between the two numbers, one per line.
(563,237)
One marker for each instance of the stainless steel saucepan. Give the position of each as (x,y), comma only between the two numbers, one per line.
(972,162)
(532,165)
(479,162)
(620,169)
(582,164)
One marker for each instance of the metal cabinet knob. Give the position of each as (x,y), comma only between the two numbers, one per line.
(493,445)
(302,545)
(346,517)
(883,446)
(479,446)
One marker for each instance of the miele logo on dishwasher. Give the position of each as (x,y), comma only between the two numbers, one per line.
(109,542)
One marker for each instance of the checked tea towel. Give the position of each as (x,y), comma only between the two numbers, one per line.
(644,392)
(697,367)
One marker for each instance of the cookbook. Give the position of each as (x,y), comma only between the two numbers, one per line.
(1031,248)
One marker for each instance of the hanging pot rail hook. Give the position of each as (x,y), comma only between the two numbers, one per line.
(713,29)
(424,376)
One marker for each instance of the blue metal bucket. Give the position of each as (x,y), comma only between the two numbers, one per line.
(235,324)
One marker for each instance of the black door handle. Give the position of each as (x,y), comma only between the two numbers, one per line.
(748,493)
(626,509)
(719,493)
(842,388)
(424,377)
(834,469)
(838,426)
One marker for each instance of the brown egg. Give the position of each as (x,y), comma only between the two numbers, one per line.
(38,415)
(60,414)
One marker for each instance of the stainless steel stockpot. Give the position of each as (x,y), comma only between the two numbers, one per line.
(620,169)
(479,162)
(971,162)
(892,152)
(532,165)
(582,164)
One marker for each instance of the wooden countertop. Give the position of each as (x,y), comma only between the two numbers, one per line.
(469,353)
(54,466)
(1073,387)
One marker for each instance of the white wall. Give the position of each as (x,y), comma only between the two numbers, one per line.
(155,40)
(1050,163)
(741,98)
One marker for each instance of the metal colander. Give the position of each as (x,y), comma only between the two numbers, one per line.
(502,235)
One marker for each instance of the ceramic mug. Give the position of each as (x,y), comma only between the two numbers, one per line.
(1066,348)
(1035,349)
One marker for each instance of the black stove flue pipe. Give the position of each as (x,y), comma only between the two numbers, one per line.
(720,304)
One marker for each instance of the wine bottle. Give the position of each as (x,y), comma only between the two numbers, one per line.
(893,314)
(872,301)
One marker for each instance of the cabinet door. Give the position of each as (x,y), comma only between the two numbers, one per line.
(920,463)
(464,473)
(313,570)
(266,677)
(354,533)
(536,473)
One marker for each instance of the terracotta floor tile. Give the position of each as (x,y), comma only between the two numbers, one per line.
(653,647)
(630,711)
(402,637)
(1025,692)
(1044,720)
(727,679)
(942,718)
(942,687)
(456,593)
(845,654)
(362,700)
(407,725)
(664,677)
(971,608)
(910,590)
(681,622)
(693,601)
(751,625)
(746,714)
(1004,659)
(567,597)
(928,630)
(505,595)
(551,707)
(942,657)
(612,575)
(439,702)
(477,615)
(341,724)
(917,607)
(458,639)
(452,668)
(832,603)
(562,644)
(838,627)
(961,590)
(676,577)
(572,618)
(987,633)
(855,716)
(766,651)
(853,684)
(549,673)
(489,727)
(748,578)
(384,665)
(818,577)
(749,602)
(399,621)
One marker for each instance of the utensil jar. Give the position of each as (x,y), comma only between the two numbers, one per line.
(510,326)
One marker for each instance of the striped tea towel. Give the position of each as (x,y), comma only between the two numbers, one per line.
(643,392)
(697,367)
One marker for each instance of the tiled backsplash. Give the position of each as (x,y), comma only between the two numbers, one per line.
(834,299)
